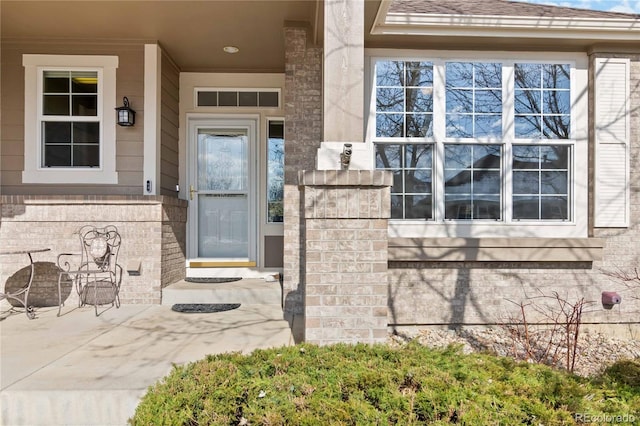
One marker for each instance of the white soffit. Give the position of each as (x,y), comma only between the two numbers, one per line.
(394,23)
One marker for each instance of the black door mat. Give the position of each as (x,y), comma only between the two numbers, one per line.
(204,308)
(211,280)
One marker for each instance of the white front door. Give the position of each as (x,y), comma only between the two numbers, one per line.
(222,210)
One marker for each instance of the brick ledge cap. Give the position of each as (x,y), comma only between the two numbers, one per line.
(345,178)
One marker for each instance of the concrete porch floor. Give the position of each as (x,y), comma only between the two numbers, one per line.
(79,369)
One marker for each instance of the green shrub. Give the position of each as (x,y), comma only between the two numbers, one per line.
(374,385)
(626,372)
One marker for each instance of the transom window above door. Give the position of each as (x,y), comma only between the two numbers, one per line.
(481,142)
(264,98)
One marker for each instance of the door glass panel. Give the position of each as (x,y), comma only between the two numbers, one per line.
(222,162)
(222,220)
(223,194)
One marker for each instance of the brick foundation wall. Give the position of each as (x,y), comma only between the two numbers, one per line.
(152,230)
(485,293)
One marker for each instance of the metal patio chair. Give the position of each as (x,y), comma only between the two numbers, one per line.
(94,272)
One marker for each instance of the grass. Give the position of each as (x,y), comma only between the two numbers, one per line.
(381,385)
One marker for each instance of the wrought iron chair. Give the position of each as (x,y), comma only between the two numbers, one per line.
(95,270)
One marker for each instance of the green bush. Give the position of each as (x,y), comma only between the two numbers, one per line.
(626,372)
(375,385)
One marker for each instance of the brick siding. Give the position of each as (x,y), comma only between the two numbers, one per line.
(453,293)
(152,230)
(345,243)
(303,130)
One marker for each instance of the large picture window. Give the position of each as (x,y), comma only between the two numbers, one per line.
(479,141)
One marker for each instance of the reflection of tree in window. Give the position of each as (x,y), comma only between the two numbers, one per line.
(404,99)
(541,182)
(411,164)
(275,171)
(473,99)
(542,101)
(475,172)
(472,182)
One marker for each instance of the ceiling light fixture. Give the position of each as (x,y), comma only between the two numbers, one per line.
(231,49)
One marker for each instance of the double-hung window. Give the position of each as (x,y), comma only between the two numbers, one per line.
(404,112)
(541,168)
(472,151)
(70,132)
(479,146)
(69,119)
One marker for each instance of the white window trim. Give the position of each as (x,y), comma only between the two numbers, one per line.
(33,170)
(577,227)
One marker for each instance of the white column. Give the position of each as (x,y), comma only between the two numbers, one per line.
(152,118)
(343,70)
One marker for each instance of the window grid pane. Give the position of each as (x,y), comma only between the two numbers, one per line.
(542,101)
(541,182)
(71,144)
(412,167)
(404,99)
(473,99)
(70,93)
(473,188)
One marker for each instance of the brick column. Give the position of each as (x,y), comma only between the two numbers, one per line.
(345,213)
(303,127)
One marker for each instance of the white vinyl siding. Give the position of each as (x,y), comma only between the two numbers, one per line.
(612,142)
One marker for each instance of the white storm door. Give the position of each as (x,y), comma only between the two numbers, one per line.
(222,200)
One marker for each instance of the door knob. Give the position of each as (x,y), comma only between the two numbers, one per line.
(191,191)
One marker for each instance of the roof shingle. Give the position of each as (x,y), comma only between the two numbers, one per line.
(499,8)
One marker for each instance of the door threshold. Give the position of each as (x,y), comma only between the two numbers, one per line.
(221,264)
(242,272)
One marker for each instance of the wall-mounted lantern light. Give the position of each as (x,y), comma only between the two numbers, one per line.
(125,116)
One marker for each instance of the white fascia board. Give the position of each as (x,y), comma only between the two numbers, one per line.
(509,26)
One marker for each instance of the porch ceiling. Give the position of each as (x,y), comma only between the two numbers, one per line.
(192,32)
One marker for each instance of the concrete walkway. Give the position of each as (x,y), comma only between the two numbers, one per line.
(80,369)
